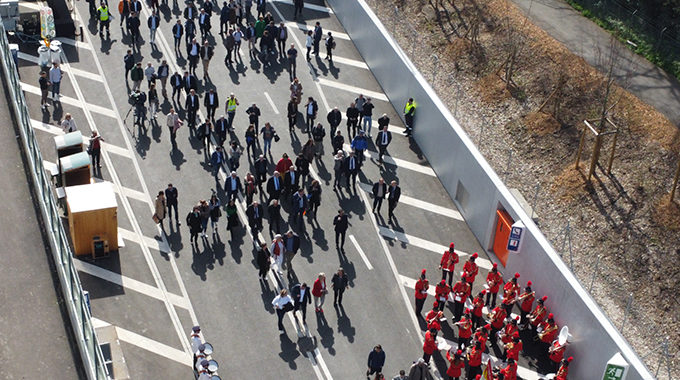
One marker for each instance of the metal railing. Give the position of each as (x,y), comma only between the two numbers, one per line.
(79,313)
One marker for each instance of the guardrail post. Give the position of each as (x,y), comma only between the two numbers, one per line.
(625,314)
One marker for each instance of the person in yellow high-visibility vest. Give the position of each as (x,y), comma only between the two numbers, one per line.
(104,17)
(409,112)
(232,102)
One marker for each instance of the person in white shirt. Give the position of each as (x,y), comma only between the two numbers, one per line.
(68,124)
(279,302)
(309,44)
(55,78)
(149,72)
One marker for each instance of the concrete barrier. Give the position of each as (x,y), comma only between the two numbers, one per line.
(479,192)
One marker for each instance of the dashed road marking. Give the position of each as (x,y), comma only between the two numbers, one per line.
(451,213)
(397,162)
(271,103)
(361,252)
(353,89)
(312,7)
(71,101)
(305,28)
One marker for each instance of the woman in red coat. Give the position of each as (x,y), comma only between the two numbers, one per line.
(319,292)
(456,365)
(430,345)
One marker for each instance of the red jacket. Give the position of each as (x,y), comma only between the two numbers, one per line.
(461,290)
(477,306)
(527,301)
(494,280)
(562,373)
(498,317)
(538,315)
(442,292)
(549,332)
(481,338)
(449,260)
(510,372)
(509,293)
(464,328)
(455,369)
(508,331)
(421,288)
(283,165)
(319,287)
(475,357)
(513,349)
(471,269)
(430,344)
(432,319)
(557,353)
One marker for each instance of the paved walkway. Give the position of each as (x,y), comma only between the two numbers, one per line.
(34,335)
(583,37)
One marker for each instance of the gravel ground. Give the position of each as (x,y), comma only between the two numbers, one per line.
(623,218)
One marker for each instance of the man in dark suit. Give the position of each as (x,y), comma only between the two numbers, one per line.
(233,186)
(177,84)
(393,194)
(281,37)
(211,102)
(274,186)
(254,116)
(351,169)
(318,34)
(190,82)
(254,212)
(379,193)
(301,298)
(221,126)
(191,105)
(193,55)
(204,23)
(291,181)
(274,214)
(291,242)
(382,141)
(260,170)
(339,284)
(299,205)
(177,33)
(171,201)
(334,119)
(341,222)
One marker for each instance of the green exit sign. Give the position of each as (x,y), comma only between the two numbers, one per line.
(613,372)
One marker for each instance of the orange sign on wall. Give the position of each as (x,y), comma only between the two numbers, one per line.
(500,241)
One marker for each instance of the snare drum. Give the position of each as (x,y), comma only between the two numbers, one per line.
(208,348)
(213,366)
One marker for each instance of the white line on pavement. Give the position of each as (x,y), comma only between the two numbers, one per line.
(374,124)
(415,202)
(158,245)
(305,28)
(72,42)
(396,161)
(271,102)
(313,7)
(80,73)
(71,101)
(128,283)
(361,252)
(349,62)
(353,89)
(148,344)
(134,194)
(49,128)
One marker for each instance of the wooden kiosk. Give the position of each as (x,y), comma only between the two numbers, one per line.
(75,169)
(68,144)
(92,218)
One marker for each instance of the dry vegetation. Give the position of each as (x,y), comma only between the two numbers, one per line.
(511,85)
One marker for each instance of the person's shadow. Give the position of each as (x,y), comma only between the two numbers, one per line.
(345,324)
(289,352)
(325,332)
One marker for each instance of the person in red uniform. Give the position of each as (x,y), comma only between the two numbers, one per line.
(464,330)
(510,371)
(526,301)
(482,334)
(430,345)
(513,348)
(556,353)
(538,315)
(448,263)
(441,293)
(461,290)
(471,269)
(494,280)
(549,332)
(564,369)
(497,320)
(510,292)
(456,365)
(421,292)
(477,309)
(509,330)
(474,357)
(433,318)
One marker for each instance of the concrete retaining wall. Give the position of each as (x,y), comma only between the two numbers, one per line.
(479,192)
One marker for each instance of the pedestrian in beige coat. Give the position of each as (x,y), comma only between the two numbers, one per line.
(160,205)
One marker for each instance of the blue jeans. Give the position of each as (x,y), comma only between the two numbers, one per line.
(55,88)
(367,124)
(267,146)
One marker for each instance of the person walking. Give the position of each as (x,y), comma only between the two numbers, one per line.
(211,102)
(193,55)
(379,193)
(311,109)
(133,24)
(359,102)
(255,213)
(251,141)
(281,37)
(376,361)
(314,197)
(299,4)
(159,209)
(393,195)
(254,113)
(300,203)
(330,45)
(95,150)
(292,54)
(318,34)
(129,61)
(150,74)
(382,140)
(206,54)
(173,122)
(340,223)
(291,242)
(360,144)
(68,125)
(353,115)
(409,113)
(154,104)
(137,75)
(177,84)
(193,220)
(191,105)
(282,303)
(429,345)
(318,133)
(171,195)
(352,165)
(55,80)
(162,74)
(177,33)
(104,17)
(123,10)
(44,84)
(153,22)
(367,117)
(204,210)
(204,24)
(224,18)
(215,212)
(230,106)
(268,134)
(339,283)
(319,292)
(302,297)
(334,118)
(422,285)
(233,186)
(274,186)
(338,168)
(448,263)
(263,260)
(189,32)
(309,43)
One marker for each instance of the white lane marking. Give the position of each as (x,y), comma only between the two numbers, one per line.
(134,194)
(305,28)
(271,102)
(128,283)
(313,7)
(72,42)
(33,6)
(429,246)
(361,252)
(374,124)
(71,101)
(396,161)
(148,242)
(148,344)
(350,62)
(353,89)
(451,213)
(49,128)
(145,250)
(78,72)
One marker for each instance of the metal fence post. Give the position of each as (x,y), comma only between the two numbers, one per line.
(592,280)
(533,206)
(507,167)
(625,314)
(435,68)
(396,19)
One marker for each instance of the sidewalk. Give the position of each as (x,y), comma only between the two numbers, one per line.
(36,341)
(584,38)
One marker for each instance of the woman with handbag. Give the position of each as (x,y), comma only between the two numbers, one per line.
(159,215)
(282,303)
(319,292)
